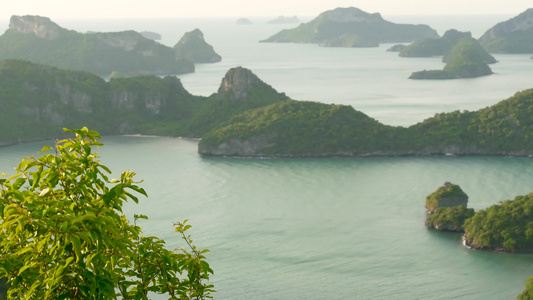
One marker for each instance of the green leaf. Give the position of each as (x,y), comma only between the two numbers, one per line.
(45,148)
(77,247)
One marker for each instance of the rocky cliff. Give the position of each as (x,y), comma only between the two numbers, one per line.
(41,27)
(447,208)
(38,101)
(192,46)
(512,36)
(240,84)
(39,40)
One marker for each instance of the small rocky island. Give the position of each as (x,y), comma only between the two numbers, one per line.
(512,36)
(42,41)
(447,208)
(193,47)
(351,27)
(504,227)
(284,20)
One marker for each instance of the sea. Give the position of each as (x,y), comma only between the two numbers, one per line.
(328,228)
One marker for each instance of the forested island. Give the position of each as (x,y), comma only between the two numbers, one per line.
(504,227)
(38,101)
(466,59)
(429,47)
(309,129)
(351,27)
(40,40)
(192,46)
(245,117)
(447,208)
(512,36)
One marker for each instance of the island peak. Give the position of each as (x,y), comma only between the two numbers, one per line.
(42,27)
(237,84)
(350,14)
(192,46)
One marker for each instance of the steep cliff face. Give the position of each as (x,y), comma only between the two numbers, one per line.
(41,27)
(38,101)
(240,84)
(147,94)
(512,36)
(236,84)
(447,208)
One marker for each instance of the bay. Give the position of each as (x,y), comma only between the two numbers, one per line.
(320,228)
(326,228)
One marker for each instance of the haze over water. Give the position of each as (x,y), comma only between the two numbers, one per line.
(326,228)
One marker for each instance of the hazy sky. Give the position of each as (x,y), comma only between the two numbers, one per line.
(96,9)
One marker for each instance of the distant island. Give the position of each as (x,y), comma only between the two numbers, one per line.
(467,59)
(351,27)
(151,35)
(284,20)
(435,46)
(193,47)
(40,40)
(243,21)
(512,36)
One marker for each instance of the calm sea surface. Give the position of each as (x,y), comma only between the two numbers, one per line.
(326,228)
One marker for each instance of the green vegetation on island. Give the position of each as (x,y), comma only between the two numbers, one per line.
(63,234)
(505,227)
(299,128)
(512,36)
(434,46)
(295,128)
(351,27)
(39,40)
(447,208)
(245,117)
(38,101)
(467,59)
(448,195)
(449,218)
(527,294)
(193,47)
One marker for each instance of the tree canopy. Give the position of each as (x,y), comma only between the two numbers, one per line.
(63,234)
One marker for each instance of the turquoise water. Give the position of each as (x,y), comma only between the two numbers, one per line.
(321,228)
(326,228)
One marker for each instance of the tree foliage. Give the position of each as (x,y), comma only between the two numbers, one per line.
(527,294)
(507,226)
(64,236)
(449,218)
